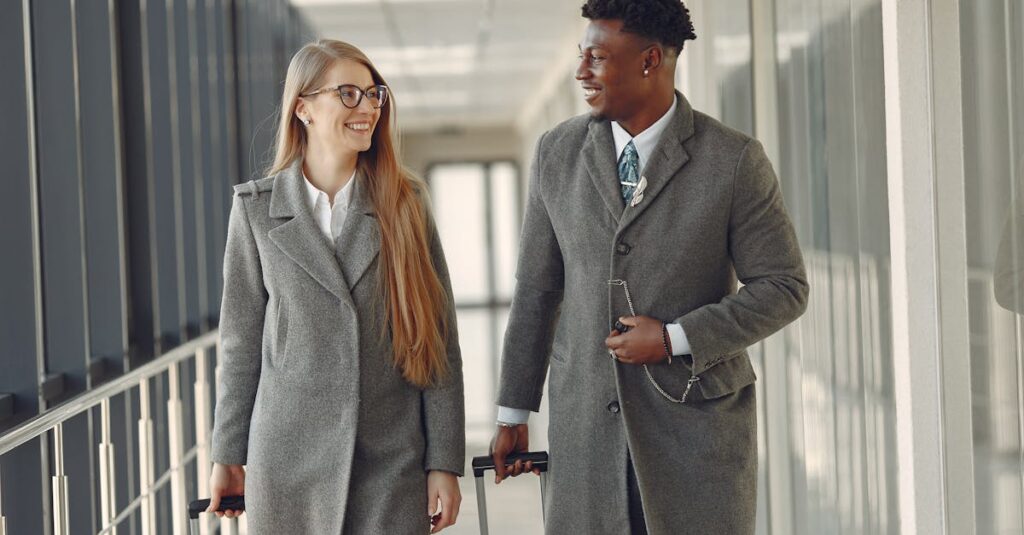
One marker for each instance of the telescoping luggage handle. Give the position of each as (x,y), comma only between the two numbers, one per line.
(227,503)
(486,462)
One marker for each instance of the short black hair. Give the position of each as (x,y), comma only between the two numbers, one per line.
(665,21)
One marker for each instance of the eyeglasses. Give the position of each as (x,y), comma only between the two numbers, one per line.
(351,95)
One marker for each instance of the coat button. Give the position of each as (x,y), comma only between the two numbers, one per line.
(622,248)
(613,407)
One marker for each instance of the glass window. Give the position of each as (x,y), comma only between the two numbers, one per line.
(992,48)
(476,206)
(732,62)
(831,165)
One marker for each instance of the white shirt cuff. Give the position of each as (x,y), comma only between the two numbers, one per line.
(676,335)
(512,416)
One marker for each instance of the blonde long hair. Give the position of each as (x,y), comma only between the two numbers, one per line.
(415,300)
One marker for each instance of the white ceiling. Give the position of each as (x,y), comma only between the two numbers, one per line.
(455,63)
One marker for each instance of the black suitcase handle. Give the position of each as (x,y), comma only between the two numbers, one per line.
(233,503)
(486,462)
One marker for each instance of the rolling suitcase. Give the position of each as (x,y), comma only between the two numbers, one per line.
(234,503)
(484,463)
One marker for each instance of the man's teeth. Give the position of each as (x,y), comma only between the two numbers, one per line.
(590,92)
(359,126)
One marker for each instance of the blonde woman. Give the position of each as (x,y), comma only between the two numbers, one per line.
(341,386)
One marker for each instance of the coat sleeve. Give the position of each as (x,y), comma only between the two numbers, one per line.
(540,279)
(242,308)
(767,259)
(444,406)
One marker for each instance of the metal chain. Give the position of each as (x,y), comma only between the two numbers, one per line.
(632,311)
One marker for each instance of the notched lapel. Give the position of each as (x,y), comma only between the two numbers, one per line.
(599,159)
(667,161)
(359,243)
(299,238)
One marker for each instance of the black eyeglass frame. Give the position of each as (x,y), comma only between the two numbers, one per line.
(382,90)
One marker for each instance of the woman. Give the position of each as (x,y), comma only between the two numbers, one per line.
(341,385)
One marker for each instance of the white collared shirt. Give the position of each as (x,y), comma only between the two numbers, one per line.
(329,219)
(645,143)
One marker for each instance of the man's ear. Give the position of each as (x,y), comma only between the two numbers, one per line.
(654,56)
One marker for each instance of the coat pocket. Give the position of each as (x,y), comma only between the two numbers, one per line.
(727,377)
(279,336)
(723,379)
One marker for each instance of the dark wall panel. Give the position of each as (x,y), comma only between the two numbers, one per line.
(21,483)
(116,223)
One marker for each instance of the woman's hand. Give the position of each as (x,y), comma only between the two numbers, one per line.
(442,487)
(226,480)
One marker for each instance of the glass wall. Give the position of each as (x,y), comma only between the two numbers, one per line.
(728,24)
(839,372)
(477,209)
(992,64)
(124,132)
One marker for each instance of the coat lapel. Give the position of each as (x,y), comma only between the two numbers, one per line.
(299,237)
(599,159)
(668,158)
(359,243)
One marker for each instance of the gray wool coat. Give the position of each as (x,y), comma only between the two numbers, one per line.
(308,398)
(712,213)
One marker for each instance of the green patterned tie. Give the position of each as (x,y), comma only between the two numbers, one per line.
(629,171)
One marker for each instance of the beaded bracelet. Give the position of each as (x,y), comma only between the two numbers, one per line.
(664,341)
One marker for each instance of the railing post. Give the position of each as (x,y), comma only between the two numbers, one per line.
(202,411)
(146,466)
(3,519)
(176,449)
(60,484)
(107,480)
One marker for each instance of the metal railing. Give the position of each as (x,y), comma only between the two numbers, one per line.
(53,419)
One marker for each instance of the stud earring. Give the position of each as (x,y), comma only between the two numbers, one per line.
(645,73)
(306,121)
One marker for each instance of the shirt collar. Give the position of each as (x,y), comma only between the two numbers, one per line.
(645,141)
(313,194)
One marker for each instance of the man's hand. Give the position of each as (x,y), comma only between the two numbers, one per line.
(641,344)
(511,440)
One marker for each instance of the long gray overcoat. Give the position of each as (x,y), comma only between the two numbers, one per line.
(712,213)
(334,440)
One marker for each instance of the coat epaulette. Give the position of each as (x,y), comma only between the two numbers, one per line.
(254,187)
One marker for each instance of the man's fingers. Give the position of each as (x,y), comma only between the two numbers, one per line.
(517,468)
(630,321)
(498,453)
(615,342)
(499,467)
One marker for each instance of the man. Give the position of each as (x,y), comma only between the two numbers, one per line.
(646,212)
